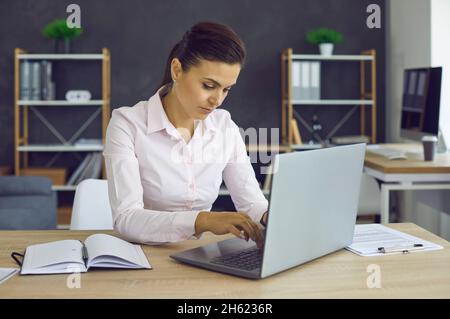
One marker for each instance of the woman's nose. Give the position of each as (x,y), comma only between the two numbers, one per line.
(215,100)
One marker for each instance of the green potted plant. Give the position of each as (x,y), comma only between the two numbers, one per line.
(325,38)
(59,31)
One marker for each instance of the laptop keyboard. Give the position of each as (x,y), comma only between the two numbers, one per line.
(248,259)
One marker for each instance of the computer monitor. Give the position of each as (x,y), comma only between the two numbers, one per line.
(421,102)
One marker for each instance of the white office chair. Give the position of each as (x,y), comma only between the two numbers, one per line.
(91,208)
(369,197)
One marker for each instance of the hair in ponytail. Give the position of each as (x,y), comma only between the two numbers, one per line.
(206,40)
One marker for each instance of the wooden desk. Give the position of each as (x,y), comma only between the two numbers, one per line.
(410,174)
(414,164)
(338,275)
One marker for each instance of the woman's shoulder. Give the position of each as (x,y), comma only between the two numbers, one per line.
(135,111)
(130,118)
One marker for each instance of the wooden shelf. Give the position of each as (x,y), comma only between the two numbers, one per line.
(59,103)
(360,57)
(52,56)
(60,148)
(331,102)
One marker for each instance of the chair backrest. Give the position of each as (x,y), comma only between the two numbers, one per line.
(369,196)
(91,208)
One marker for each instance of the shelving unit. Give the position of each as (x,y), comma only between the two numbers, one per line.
(368,98)
(22,109)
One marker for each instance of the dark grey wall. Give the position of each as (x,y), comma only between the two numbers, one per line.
(141,33)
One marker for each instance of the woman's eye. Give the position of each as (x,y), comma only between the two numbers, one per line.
(206,86)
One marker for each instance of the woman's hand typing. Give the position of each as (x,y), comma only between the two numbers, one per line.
(236,223)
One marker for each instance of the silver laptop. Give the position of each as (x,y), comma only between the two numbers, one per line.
(312,212)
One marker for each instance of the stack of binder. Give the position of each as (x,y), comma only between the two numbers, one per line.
(36,81)
(305,80)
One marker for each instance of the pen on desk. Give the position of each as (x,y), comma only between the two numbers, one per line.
(84,252)
(404,249)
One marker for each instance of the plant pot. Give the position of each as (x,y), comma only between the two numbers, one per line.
(63,46)
(326,48)
(67,46)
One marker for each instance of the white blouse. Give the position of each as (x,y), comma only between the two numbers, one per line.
(158,183)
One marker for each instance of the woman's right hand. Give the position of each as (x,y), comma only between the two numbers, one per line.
(221,223)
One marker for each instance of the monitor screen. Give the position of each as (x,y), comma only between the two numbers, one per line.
(420,102)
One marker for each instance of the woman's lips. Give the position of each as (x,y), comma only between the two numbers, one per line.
(205,110)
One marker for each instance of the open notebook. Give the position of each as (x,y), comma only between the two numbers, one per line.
(68,256)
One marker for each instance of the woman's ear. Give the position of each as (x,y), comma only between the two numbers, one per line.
(176,69)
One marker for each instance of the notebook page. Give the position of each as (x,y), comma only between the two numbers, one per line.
(6,273)
(53,253)
(106,245)
(368,238)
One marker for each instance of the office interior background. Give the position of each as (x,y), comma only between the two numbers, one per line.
(140,34)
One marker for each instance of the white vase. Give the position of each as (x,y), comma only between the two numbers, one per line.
(326,48)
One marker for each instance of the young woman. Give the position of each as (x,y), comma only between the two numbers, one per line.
(166,157)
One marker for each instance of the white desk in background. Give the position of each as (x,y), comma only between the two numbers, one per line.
(411,174)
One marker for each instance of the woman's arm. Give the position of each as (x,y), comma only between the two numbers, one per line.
(126,193)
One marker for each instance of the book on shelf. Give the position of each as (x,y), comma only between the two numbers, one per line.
(296,80)
(68,256)
(315,80)
(47,85)
(35,93)
(36,81)
(25,80)
(305,80)
(305,86)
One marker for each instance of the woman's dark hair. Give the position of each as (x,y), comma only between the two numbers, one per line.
(206,40)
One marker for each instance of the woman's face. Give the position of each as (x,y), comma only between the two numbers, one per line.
(204,86)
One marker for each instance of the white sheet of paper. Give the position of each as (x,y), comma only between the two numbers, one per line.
(369,237)
(6,273)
